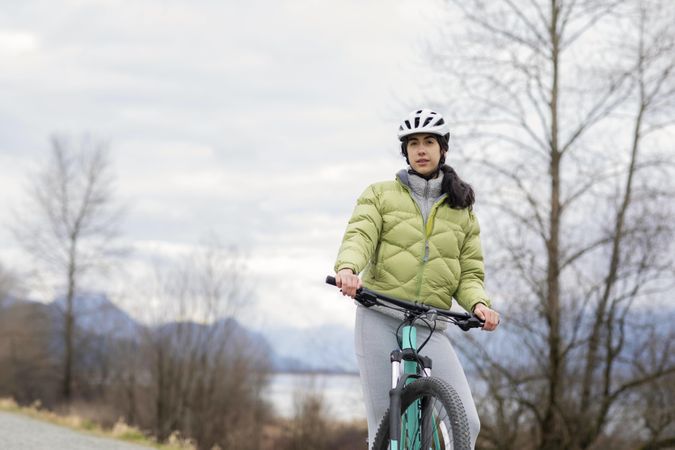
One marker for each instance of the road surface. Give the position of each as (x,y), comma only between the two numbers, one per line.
(18,432)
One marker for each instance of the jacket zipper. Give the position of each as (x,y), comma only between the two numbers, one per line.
(428,226)
(426,229)
(427,233)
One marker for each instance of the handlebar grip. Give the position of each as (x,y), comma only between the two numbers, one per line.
(471,322)
(330,280)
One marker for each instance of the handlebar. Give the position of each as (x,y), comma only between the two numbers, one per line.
(369,298)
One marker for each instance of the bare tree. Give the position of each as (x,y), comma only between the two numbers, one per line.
(27,362)
(653,405)
(9,286)
(310,426)
(68,225)
(567,105)
(200,369)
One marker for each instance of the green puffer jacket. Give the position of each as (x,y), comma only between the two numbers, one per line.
(404,259)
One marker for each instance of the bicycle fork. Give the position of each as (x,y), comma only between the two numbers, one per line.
(401,375)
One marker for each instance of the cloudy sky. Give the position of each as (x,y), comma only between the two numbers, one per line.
(259,121)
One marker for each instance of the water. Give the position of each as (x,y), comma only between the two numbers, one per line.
(341,393)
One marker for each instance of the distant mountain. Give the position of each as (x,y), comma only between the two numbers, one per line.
(97,314)
(323,347)
(227,333)
(8,300)
(20,316)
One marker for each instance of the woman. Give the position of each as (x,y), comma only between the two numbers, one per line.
(415,238)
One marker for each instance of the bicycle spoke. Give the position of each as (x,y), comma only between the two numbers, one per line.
(435,426)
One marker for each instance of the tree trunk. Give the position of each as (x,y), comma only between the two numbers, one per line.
(69,331)
(551,438)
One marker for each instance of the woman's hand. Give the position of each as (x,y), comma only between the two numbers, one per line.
(490,316)
(348,282)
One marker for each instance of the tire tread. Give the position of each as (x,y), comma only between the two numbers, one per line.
(433,387)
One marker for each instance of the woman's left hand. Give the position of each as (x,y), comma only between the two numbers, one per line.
(490,316)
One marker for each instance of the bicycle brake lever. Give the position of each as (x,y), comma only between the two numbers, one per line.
(471,322)
(366,298)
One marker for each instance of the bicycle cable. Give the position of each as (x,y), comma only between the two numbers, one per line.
(411,322)
(431,331)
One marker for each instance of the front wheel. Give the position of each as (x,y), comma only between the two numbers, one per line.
(432,417)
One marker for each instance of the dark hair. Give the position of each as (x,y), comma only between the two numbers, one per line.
(460,194)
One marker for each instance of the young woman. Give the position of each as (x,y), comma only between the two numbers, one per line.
(415,238)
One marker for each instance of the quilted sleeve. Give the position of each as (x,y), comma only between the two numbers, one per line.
(471,289)
(362,234)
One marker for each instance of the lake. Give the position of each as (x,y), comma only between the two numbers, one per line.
(341,392)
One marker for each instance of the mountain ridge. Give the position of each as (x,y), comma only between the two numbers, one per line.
(326,349)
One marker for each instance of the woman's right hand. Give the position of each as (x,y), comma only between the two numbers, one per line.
(348,282)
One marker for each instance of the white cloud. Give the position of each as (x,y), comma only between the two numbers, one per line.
(16,43)
(261,121)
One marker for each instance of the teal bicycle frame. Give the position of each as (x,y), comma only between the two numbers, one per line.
(420,421)
(410,422)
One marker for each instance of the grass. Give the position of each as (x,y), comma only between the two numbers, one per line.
(120,430)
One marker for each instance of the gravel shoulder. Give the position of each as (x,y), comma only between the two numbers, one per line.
(18,432)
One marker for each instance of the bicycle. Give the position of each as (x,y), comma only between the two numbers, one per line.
(430,414)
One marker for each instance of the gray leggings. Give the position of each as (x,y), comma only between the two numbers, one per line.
(375,338)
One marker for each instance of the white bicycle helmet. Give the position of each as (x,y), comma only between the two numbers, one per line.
(423,121)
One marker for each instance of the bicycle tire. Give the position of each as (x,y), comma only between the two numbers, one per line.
(439,395)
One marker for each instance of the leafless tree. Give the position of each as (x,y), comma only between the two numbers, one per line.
(310,427)
(200,369)
(27,362)
(8,284)
(567,105)
(653,408)
(68,225)
(313,425)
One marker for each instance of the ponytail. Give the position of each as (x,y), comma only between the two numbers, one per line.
(460,194)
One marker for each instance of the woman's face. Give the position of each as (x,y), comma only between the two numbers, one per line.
(424,153)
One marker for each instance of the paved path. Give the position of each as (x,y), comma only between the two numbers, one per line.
(18,432)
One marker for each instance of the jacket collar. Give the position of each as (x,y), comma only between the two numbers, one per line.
(417,184)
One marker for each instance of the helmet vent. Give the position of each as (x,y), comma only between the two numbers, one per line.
(423,121)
